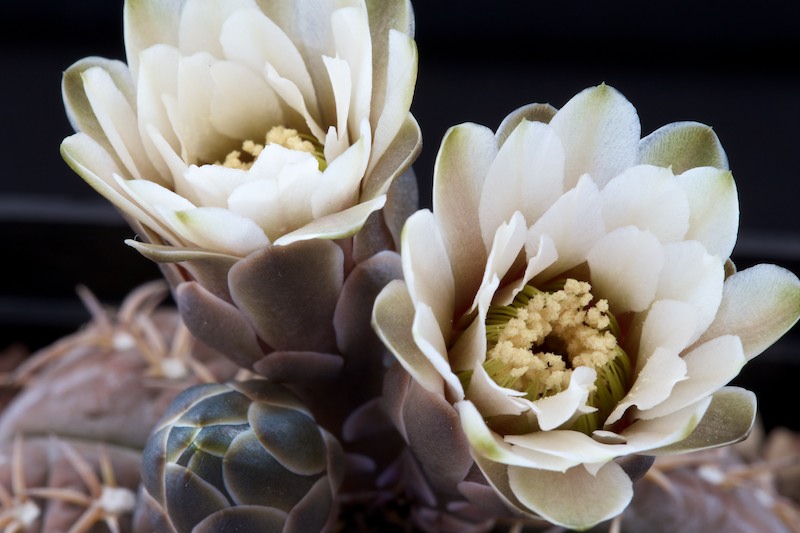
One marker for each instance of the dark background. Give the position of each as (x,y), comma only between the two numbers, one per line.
(731,65)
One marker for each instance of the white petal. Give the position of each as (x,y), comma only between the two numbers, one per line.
(400,81)
(243,105)
(653,384)
(646,435)
(336,225)
(600,132)
(574,223)
(430,340)
(213,184)
(150,194)
(353,43)
(526,176)
(507,244)
(546,255)
(218,230)
(201,24)
(714,205)
(339,186)
(572,446)
(709,367)
(490,398)
(552,411)
(759,304)
(392,318)
(464,157)
(691,275)
(342,84)
(426,267)
(118,120)
(649,198)
(253,39)
(291,94)
(669,324)
(150,23)
(625,266)
(575,499)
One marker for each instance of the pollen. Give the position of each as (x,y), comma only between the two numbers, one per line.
(244,158)
(536,342)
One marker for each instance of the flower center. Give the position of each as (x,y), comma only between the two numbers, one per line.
(288,138)
(535,343)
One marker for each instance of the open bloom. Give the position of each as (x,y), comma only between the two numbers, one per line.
(571,297)
(240,124)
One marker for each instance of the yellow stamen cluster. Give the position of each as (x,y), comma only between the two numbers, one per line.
(288,138)
(536,342)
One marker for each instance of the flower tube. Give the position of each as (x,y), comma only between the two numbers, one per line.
(571,302)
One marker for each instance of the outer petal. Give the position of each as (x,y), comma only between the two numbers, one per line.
(575,499)
(533,112)
(148,23)
(708,367)
(600,131)
(683,145)
(461,165)
(729,419)
(336,225)
(759,304)
(714,205)
(392,319)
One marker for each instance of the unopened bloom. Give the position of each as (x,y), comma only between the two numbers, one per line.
(240,124)
(571,296)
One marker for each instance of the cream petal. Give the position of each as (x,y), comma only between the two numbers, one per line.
(392,320)
(691,275)
(525,176)
(571,446)
(507,244)
(600,132)
(574,223)
(337,225)
(291,94)
(243,105)
(177,166)
(490,398)
(649,198)
(430,340)
(683,145)
(250,38)
(643,436)
(533,112)
(469,349)
(220,230)
(714,207)
(148,23)
(426,267)
(759,304)
(625,266)
(200,141)
(653,384)
(401,78)
(708,367)
(353,43)
(461,164)
(158,75)
(213,184)
(671,325)
(338,138)
(339,186)
(90,161)
(728,419)
(552,411)
(546,255)
(201,24)
(118,120)
(149,194)
(575,499)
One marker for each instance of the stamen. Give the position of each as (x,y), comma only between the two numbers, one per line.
(288,138)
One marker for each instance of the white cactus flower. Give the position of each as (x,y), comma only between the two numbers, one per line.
(571,296)
(240,124)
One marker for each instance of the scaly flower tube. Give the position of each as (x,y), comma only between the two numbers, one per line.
(237,125)
(571,300)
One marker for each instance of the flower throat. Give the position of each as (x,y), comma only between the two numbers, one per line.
(534,344)
(288,138)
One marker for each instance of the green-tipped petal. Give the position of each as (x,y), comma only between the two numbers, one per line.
(147,23)
(759,304)
(683,145)
(575,499)
(714,208)
(729,419)
(532,112)
(334,226)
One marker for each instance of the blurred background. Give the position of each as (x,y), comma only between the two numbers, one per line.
(729,64)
